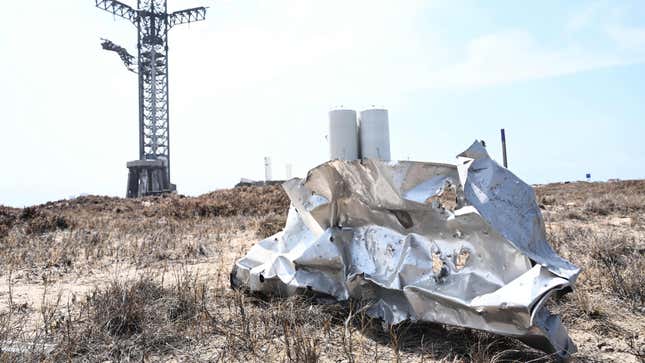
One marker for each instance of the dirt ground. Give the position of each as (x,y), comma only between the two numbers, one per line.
(110,279)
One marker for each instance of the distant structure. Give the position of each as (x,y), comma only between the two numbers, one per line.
(375,134)
(268,175)
(151,173)
(343,135)
(351,138)
(288,173)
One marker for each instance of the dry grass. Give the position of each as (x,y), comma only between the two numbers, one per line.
(599,227)
(133,320)
(108,279)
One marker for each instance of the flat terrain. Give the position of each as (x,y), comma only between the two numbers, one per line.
(109,279)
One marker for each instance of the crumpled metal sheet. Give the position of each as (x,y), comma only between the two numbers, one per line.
(462,245)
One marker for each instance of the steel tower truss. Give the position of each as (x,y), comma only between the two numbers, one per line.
(153,22)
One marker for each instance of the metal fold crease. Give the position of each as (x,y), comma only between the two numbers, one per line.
(461,245)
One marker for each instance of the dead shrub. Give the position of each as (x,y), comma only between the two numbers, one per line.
(615,203)
(269,226)
(120,310)
(601,206)
(8,218)
(612,261)
(246,201)
(547,200)
(578,305)
(575,216)
(130,320)
(299,346)
(39,222)
(624,277)
(28,213)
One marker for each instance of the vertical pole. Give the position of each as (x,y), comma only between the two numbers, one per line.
(142,151)
(167,93)
(153,80)
(504,148)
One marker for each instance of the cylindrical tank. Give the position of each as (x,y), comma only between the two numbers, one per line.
(375,134)
(343,135)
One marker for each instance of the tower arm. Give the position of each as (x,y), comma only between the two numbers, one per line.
(118,8)
(186,16)
(126,57)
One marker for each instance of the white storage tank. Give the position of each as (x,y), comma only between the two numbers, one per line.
(343,135)
(375,134)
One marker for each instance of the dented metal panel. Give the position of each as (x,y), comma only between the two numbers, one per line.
(461,245)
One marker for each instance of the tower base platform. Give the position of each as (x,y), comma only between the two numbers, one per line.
(148,177)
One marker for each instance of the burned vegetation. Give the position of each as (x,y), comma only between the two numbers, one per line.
(110,279)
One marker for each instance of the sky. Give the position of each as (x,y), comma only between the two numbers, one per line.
(565,79)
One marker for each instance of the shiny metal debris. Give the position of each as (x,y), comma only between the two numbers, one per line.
(461,245)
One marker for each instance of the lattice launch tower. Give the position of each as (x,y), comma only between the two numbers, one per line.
(150,174)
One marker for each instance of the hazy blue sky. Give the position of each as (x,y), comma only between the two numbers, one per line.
(565,78)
